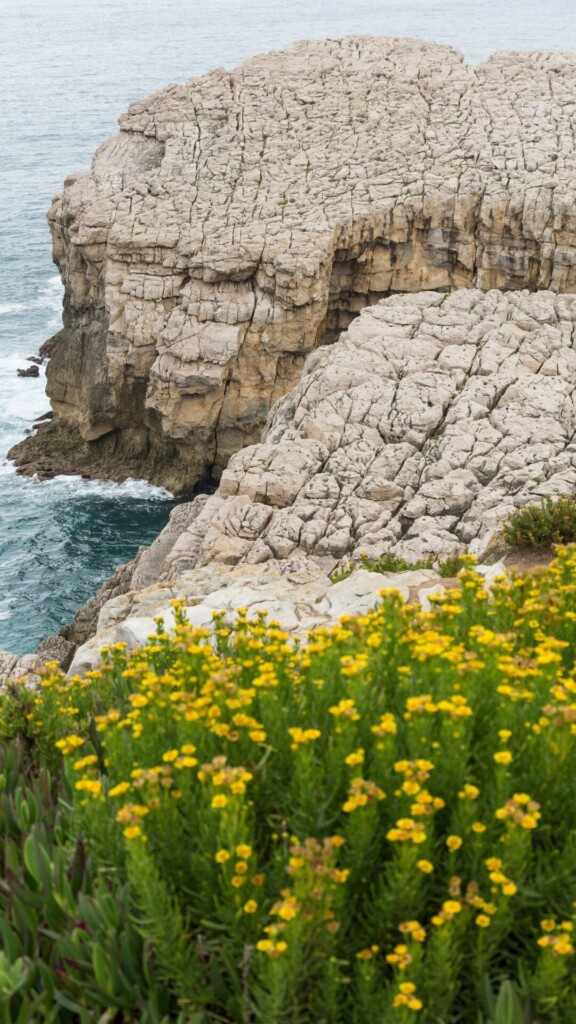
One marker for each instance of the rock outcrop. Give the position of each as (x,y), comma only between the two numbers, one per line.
(298,596)
(237,222)
(417,433)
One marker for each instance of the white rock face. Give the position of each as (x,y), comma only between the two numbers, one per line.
(298,597)
(417,433)
(237,221)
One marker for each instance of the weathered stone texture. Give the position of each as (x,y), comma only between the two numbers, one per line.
(300,597)
(417,433)
(239,220)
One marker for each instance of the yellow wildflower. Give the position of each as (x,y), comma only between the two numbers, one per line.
(119,789)
(355,758)
(503,757)
(425,866)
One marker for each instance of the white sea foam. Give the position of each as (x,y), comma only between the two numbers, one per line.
(11,361)
(49,297)
(131,488)
(11,307)
(67,485)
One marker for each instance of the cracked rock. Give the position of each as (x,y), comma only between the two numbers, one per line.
(237,221)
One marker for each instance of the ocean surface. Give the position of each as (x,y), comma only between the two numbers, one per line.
(68,68)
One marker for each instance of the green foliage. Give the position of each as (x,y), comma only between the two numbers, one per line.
(552,521)
(69,950)
(448,568)
(507,1006)
(237,829)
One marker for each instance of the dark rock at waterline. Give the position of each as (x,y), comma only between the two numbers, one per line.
(57,448)
(45,417)
(34,359)
(29,371)
(56,648)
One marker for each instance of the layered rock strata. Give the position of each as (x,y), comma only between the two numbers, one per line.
(237,222)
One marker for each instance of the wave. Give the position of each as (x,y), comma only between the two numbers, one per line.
(11,307)
(14,360)
(49,297)
(130,488)
(77,487)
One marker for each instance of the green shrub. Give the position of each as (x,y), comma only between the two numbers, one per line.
(450,567)
(69,950)
(376,826)
(392,563)
(551,521)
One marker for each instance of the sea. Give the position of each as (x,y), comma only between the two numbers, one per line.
(68,69)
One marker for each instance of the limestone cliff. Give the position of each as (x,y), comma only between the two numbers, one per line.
(238,221)
(416,434)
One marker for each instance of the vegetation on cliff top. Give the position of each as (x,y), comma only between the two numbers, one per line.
(386,563)
(376,826)
(550,521)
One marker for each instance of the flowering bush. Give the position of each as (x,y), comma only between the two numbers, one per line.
(378,825)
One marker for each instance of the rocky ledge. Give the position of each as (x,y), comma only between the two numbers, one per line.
(296,595)
(415,434)
(239,221)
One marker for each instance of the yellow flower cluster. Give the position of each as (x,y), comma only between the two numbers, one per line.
(557,937)
(428,742)
(497,876)
(407,830)
(345,709)
(301,736)
(361,793)
(406,997)
(69,744)
(520,810)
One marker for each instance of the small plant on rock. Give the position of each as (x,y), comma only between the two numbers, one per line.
(392,563)
(551,521)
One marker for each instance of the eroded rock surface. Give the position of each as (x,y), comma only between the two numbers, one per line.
(296,594)
(417,433)
(236,222)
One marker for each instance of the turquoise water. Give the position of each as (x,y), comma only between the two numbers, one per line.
(68,68)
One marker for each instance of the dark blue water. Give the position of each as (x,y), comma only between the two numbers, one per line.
(68,68)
